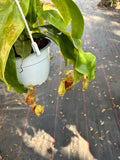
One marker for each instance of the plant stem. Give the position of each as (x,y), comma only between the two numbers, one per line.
(18,95)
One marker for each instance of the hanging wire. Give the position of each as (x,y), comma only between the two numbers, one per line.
(34,44)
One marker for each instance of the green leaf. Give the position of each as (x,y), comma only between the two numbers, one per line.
(53,18)
(1,80)
(77,44)
(70,12)
(40,21)
(77,77)
(85,64)
(63,41)
(23,48)
(38,35)
(11,25)
(62,6)
(11,75)
(77,22)
(31,16)
(39,5)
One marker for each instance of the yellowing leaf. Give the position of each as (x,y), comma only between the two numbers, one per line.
(61,89)
(30,97)
(38,110)
(85,83)
(69,75)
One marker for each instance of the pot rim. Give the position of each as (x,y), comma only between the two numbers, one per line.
(34,53)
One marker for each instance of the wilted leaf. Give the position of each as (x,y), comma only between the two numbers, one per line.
(61,89)
(110,77)
(107,131)
(37,109)
(30,97)
(52,101)
(85,83)
(91,129)
(102,137)
(60,73)
(103,110)
(101,122)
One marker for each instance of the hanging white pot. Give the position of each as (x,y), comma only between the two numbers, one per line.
(34,70)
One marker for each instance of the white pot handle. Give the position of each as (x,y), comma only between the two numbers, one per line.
(34,44)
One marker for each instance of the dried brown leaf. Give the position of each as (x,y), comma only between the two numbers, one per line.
(101,122)
(63,127)
(107,131)
(60,73)
(101,145)
(109,117)
(109,109)
(103,110)
(67,98)
(91,129)
(95,145)
(85,115)
(52,101)
(96,132)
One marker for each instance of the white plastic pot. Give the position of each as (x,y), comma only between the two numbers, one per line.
(34,70)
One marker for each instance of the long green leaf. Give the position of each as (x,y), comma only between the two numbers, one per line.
(70,12)
(10,28)
(32,14)
(53,18)
(40,21)
(61,39)
(11,75)
(62,6)
(77,23)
